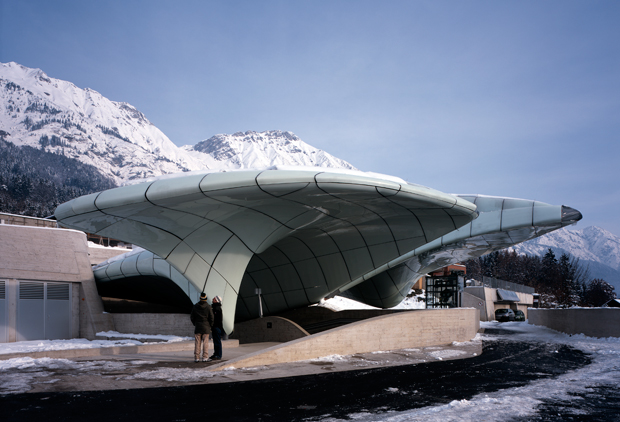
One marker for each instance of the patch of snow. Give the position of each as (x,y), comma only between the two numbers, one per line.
(446,354)
(46,345)
(92,244)
(330,358)
(412,303)
(167,338)
(339,303)
(174,374)
(80,343)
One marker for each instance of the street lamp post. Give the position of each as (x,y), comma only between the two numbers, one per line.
(260,303)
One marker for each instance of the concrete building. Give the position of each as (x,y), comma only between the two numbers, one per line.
(492,295)
(47,287)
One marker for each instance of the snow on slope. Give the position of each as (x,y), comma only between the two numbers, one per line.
(589,244)
(593,245)
(250,149)
(115,137)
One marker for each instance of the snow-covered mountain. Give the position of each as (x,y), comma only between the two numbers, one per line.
(595,247)
(258,150)
(117,139)
(59,117)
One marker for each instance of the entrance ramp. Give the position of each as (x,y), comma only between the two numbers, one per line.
(402,330)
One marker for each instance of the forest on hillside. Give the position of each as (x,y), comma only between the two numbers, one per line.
(34,182)
(561,282)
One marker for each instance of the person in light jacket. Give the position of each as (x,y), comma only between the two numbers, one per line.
(202,318)
(218,328)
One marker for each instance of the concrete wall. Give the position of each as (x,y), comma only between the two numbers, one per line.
(52,255)
(168,324)
(593,322)
(468,300)
(481,298)
(268,329)
(417,328)
(97,255)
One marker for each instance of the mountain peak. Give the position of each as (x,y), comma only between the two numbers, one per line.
(58,117)
(598,231)
(252,149)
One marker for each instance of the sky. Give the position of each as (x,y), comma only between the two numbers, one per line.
(508,98)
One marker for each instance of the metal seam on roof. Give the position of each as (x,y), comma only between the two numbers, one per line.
(361,234)
(400,201)
(291,263)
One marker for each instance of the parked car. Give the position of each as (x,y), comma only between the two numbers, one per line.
(502,315)
(519,316)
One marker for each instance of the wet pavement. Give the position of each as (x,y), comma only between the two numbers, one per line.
(334,395)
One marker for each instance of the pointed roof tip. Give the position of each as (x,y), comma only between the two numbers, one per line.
(570,215)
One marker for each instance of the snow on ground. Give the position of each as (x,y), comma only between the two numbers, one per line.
(116,248)
(339,303)
(521,401)
(46,345)
(32,370)
(175,374)
(162,337)
(80,343)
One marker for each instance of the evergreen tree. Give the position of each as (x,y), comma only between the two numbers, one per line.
(34,182)
(599,292)
(560,282)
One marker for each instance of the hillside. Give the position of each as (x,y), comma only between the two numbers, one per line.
(56,116)
(595,247)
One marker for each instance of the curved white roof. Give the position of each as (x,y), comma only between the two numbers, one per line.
(318,230)
(299,234)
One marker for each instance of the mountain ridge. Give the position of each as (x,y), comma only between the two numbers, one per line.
(118,139)
(252,149)
(595,247)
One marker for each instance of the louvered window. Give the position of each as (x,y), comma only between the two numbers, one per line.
(2,289)
(57,291)
(31,290)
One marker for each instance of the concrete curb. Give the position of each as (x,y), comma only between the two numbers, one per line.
(181,346)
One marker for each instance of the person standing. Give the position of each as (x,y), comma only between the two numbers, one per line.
(218,328)
(202,318)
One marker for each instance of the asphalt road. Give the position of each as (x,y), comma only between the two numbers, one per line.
(313,397)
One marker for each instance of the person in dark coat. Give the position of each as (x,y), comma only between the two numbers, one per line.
(218,328)
(202,318)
